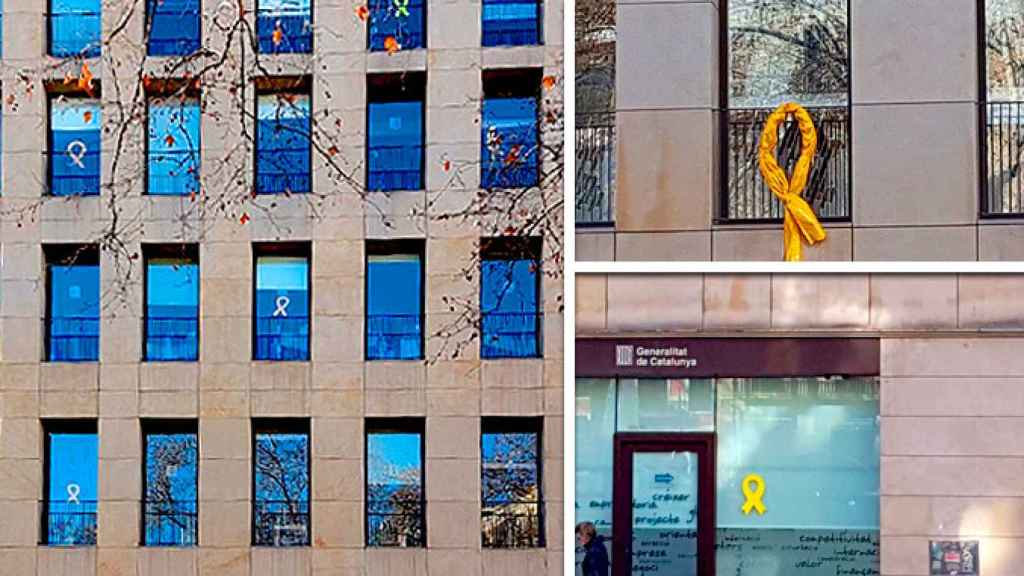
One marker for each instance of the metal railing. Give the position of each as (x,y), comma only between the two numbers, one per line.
(172,172)
(394,336)
(69,523)
(275,174)
(512,525)
(74,33)
(280,523)
(73,339)
(747,197)
(296,32)
(595,169)
(510,334)
(171,523)
(170,338)
(282,338)
(398,167)
(67,179)
(394,529)
(1003,142)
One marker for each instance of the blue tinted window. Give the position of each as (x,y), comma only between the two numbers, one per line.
(74,314)
(282,308)
(394,307)
(508,308)
(399,19)
(284,26)
(175,27)
(282,143)
(173,162)
(74,146)
(71,492)
(509,143)
(511,22)
(394,489)
(281,502)
(510,489)
(395,146)
(75,28)
(172,309)
(171,488)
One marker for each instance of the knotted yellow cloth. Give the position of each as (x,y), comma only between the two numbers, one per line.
(800,221)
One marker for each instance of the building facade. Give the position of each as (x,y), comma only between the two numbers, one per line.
(242,330)
(800,424)
(915,161)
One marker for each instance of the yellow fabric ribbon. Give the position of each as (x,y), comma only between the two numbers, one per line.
(800,223)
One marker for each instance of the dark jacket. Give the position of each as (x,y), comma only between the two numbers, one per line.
(595,558)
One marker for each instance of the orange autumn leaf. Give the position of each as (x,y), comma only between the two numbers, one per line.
(10,99)
(391,45)
(69,79)
(362,12)
(169,140)
(447,165)
(549,82)
(85,80)
(333,150)
(278,35)
(513,156)
(244,218)
(87,116)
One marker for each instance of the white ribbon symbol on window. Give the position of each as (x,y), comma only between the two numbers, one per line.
(282,306)
(81,149)
(73,490)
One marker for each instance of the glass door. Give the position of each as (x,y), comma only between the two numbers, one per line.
(663,505)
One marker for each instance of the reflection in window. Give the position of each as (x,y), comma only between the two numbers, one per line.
(394,483)
(172,163)
(284,26)
(510,315)
(281,483)
(1004,114)
(511,22)
(395,140)
(74,145)
(401,20)
(283,152)
(74,28)
(282,306)
(509,143)
(171,483)
(787,51)
(73,310)
(595,428)
(69,506)
(816,443)
(174,27)
(172,304)
(510,481)
(685,405)
(394,302)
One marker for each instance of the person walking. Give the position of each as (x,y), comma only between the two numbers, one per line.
(595,557)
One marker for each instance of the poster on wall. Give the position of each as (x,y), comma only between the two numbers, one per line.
(954,558)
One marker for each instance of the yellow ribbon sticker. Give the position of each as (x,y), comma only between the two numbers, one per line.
(800,222)
(754,496)
(401,7)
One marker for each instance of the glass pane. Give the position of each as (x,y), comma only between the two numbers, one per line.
(810,447)
(74,146)
(680,405)
(74,312)
(508,303)
(282,143)
(394,489)
(284,26)
(595,428)
(510,485)
(175,27)
(281,503)
(75,28)
(395,153)
(173,163)
(509,143)
(171,486)
(71,500)
(282,308)
(399,19)
(172,309)
(665,504)
(511,22)
(394,307)
(1004,20)
(788,50)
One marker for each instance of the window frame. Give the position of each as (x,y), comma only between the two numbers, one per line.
(163,90)
(300,85)
(166,426)
(395,425)
(540,29)
(383,88)
(281,425)
(54,92)
(312,38)
(50,36)
(720,201)
(424,34)
(84,426)
(87,255)
(510,249)
(508,83)
(303,249)
(182,251)
(410,247)
(516,425)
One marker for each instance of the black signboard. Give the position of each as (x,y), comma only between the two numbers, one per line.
(954,558)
